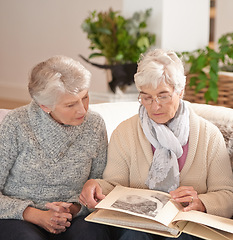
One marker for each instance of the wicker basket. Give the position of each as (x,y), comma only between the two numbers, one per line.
(225,91)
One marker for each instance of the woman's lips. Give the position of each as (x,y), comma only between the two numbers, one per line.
(80,118)
(157,114)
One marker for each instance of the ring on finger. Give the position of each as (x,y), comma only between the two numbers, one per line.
(191,199)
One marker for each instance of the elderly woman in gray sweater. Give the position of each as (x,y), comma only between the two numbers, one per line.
(48,150)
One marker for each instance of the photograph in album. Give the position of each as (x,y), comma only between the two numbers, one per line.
(148,205)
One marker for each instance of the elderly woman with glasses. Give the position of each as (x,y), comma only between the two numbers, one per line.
(166,147)
(48,150)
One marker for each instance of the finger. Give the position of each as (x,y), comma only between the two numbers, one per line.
(65,207)
(91,194)
(191,201)
(61,221)
(192,205)
(91,203)
(54,216)
(56,227)
(82,199)
(52,206)
(187,199)
(59,206)
(63,215)
(67,216)
(64,204)
(182,191)
(188,208)
(57,231)
(99,194)
(195,205)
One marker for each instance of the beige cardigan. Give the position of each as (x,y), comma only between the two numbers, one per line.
(207,167)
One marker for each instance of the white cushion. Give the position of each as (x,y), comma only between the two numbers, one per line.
(213,113)
(114,113)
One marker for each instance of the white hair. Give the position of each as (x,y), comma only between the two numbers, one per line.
(160,66)
(56,76)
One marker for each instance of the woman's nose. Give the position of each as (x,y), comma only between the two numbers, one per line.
(155,104)
(81,108)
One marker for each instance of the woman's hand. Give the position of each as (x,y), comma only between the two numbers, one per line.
(54,220)
(188,197)
(91,194)
(64,207)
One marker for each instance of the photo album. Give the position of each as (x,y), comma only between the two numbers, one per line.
(154,212)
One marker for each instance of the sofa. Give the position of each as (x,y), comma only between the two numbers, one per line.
(116,112)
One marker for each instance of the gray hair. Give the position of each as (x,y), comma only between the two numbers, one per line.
(57,75)
(160,66)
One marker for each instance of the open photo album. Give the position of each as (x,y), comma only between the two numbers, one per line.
(154,212)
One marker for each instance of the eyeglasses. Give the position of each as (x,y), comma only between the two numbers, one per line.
(148,100)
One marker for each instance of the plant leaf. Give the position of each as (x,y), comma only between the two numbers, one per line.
(95,55)
(214,93)
(200,86)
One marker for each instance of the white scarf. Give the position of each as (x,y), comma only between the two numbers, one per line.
(168,141)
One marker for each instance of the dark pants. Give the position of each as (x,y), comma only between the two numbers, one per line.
(126,234)
(12,229)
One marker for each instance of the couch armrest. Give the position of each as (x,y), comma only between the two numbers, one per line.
(220,116)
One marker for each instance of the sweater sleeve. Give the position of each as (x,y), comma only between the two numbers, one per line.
(10,207)
(100,159)
(219,197)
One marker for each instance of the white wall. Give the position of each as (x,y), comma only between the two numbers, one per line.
(224,18)
(185,24)
(180,25)
(34,30)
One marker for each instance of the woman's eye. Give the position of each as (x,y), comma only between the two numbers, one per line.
(145,97)
(84,98)
(163,96)
(71,105)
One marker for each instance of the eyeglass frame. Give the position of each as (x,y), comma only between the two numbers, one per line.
(155,98)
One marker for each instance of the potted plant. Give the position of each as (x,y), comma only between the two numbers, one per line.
(205,69)
(120,40)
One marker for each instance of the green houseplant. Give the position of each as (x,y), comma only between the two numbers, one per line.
(120,40)
(204,66)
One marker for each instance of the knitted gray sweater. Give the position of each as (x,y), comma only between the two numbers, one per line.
(43,161)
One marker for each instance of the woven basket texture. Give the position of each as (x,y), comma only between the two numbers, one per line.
(225,92)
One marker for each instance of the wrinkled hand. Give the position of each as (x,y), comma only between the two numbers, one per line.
(188,197)
(55,220)
(60,216)
(91,194)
